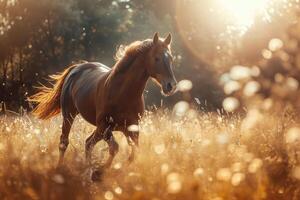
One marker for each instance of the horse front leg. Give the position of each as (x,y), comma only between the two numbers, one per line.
(133,142)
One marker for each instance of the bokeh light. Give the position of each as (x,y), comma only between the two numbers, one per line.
(244,12)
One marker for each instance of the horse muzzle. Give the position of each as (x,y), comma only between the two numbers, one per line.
(169,87)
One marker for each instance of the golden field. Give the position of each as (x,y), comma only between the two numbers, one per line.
(183,154)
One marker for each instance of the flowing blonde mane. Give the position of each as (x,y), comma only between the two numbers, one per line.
(125,55)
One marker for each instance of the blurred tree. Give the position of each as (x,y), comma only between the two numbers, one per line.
(272,82)
(38,38)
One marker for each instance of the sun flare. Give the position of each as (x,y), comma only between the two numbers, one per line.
(243,12)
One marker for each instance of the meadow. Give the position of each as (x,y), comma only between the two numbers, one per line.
(183,154)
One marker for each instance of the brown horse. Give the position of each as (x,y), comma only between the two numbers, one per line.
(110,99)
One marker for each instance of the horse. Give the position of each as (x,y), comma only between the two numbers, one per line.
(109,98)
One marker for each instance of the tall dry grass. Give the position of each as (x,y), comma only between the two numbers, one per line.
(182,155)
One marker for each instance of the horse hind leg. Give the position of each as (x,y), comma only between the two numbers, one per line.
(93,139)
(90,142)
(64,138)
(113,150)
(69,112)
(113,147)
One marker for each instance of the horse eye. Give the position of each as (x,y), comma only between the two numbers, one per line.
(157,59)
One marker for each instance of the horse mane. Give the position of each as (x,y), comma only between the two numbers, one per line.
(126,55)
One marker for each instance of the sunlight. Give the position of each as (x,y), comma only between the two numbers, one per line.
(243,12)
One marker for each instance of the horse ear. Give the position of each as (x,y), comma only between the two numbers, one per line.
(155,38)
(168,39)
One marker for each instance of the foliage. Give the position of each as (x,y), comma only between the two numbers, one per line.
(38,38)
(272,84)
(41,38)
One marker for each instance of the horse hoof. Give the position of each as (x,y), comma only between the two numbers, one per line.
(96,175)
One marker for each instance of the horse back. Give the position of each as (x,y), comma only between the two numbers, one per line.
(80,88)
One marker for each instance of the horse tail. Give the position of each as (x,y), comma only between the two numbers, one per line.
(48,99)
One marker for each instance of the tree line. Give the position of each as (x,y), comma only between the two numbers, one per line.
(42,37)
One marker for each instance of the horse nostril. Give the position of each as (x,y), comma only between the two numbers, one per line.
(169,86)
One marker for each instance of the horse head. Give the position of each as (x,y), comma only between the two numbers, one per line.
(160,65)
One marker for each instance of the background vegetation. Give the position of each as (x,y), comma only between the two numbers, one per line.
(41,38)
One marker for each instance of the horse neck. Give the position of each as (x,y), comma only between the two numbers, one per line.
(132,80)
